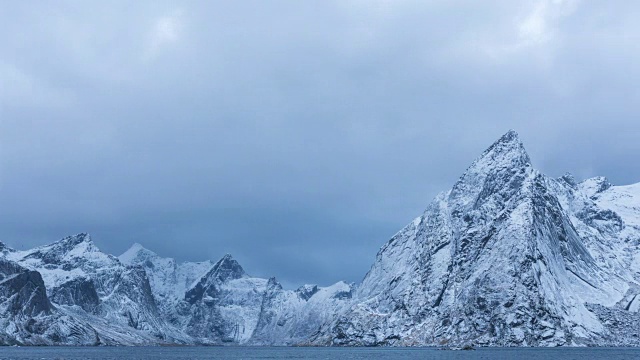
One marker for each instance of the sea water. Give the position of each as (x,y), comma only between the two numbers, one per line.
(250,353)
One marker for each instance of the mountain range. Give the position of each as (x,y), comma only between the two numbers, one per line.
(507,257)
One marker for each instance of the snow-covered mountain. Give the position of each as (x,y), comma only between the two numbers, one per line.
(220,303)
(112,302)
(507,257)
(71,293)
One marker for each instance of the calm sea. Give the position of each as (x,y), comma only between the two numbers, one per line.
(250,353)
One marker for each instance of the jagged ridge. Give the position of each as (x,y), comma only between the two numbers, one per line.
(507,257)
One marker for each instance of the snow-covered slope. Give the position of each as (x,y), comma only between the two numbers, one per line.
(77,274)
(221,303)
(292,317)
(507,257)
(169,280)
(113,300)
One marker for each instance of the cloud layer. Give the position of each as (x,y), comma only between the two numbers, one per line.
(298,136)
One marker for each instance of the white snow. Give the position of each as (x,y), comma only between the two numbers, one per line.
(507,257)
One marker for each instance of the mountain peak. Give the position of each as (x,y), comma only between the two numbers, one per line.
(77,239)
(506,152)
(82,240)
(4,249)
(569,179)
(510,135)
(135,252)
(593,186)
(137,247)
(508,146)
(492,171)
(307,291)
(227,268)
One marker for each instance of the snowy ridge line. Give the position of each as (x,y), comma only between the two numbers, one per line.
(87,297)
(507,257)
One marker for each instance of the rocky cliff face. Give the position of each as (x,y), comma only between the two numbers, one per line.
(94,294)
(507,257)
(223,304)
(28,317)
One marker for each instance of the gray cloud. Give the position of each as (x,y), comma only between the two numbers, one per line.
(298,136)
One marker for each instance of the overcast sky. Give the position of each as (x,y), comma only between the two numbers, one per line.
(298,136)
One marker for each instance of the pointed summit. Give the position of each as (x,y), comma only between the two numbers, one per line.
(4,248)
(226,269)
(136,247)
(226,257)
(569,179)
(81,242)
(510,136)
(508,150)
(76,239)
(502,166)
(594,186)
(136,254)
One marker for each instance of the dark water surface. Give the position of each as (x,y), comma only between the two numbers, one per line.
(250,353)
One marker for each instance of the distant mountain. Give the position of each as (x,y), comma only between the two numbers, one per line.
(220,303)
(71,293)
(507,257)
